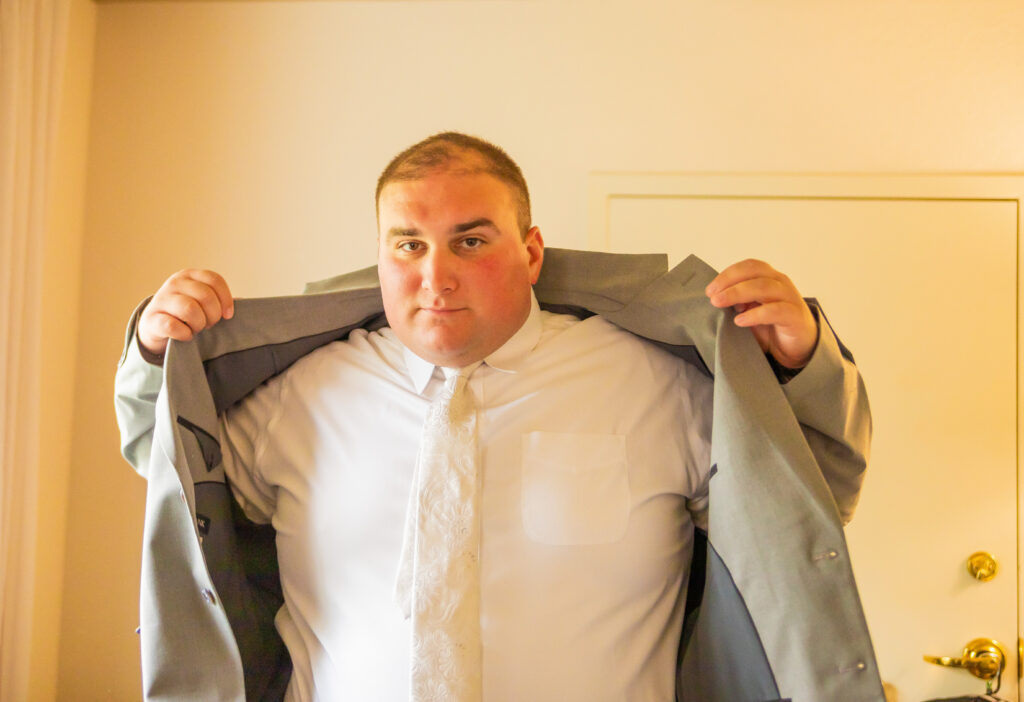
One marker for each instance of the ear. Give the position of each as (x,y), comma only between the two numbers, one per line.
(534,244)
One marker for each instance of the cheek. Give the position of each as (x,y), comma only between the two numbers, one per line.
(502,288)
(488,281)
(396,275)
(495,271)
(396,285)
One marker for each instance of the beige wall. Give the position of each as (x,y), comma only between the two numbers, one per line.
(246,137)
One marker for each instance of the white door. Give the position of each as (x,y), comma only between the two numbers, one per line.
(919,278)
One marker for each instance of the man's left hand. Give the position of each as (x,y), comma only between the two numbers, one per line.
(768,303)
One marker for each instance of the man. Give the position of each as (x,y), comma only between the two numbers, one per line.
(593,449)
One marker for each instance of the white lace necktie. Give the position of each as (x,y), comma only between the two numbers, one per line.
(438,582)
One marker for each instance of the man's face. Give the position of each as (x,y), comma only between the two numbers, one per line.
(454,271)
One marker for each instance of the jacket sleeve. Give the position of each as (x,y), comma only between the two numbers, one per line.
(831,404)
(136,387)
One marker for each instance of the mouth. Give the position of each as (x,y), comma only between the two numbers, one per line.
(442,310)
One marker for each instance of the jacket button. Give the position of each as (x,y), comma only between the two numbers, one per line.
(859,666)
(209,596)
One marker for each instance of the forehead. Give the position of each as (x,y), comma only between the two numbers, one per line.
(447,191)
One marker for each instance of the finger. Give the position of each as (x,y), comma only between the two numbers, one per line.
(219,287)
(185,309)
(785,315)
(743,270)
(173,328)
(205,295)
(157,327)
(788,332)
(752,291)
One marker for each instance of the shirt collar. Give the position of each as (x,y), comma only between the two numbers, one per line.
(506,357)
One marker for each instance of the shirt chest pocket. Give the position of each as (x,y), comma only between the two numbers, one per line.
(575,488)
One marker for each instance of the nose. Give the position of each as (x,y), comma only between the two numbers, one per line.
(439,272)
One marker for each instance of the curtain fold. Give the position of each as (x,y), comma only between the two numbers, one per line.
(33,37)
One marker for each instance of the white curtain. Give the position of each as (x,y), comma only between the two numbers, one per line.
(33,36)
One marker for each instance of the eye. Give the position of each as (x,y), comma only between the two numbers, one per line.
(472,242)
(410,246)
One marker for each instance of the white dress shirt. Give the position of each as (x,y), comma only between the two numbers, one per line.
(594,448)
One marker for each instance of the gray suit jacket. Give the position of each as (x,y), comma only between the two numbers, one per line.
(772,614)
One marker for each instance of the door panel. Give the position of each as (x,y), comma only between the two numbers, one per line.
(923,289)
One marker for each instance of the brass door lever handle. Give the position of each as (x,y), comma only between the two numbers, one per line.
(982,658)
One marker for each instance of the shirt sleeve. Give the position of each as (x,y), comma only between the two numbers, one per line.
(136,387)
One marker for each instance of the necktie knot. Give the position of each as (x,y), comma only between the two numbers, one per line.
(455,402)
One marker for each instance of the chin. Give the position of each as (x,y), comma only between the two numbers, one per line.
(441,355)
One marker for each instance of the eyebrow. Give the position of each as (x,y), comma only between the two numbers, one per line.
(398,232)
(481,222)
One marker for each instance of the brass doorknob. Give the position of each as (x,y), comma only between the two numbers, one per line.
(982,658)
(982,566)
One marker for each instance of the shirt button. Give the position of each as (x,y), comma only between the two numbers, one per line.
(209,596)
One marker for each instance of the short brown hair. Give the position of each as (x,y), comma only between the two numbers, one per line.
(443,151)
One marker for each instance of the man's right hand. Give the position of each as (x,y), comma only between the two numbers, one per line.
(188,302)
